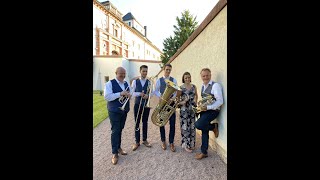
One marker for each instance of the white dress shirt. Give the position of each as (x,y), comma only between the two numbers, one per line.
(134,85)
(157,89)
(109,95)
(217,92)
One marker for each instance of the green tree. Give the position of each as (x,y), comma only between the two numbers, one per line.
(186,25)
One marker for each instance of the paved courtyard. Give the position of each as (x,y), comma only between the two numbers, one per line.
(151,163)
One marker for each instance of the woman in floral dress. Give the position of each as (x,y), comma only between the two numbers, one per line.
(187,115)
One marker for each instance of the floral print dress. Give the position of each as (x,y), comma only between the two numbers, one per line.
(187,119)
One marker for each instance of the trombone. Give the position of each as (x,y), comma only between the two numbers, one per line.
(144,106)
(150,88)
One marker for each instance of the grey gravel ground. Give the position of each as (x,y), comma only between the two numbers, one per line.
(151,163)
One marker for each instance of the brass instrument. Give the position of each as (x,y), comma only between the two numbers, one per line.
(209,99)
(150,88)
(144,106)
(183,97)
(166,107)
(138,113)
(124,100)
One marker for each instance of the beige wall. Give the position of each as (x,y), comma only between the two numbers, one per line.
(208,49)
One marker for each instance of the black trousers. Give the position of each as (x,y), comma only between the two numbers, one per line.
(144,120)
(203,124)
(117,121)
(172,122)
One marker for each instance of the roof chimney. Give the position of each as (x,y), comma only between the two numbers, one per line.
(145,31)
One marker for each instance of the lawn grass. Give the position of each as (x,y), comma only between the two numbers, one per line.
(100,112)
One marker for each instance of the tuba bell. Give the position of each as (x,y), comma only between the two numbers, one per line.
(166,107)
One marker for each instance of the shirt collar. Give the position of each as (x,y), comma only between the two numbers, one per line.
(119,81)
(210,82)
(165,77)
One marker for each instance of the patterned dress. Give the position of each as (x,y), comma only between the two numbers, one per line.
(187,119)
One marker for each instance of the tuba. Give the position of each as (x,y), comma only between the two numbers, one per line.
(166,107)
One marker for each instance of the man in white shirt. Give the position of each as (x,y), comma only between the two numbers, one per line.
(113,90)
(208,112)
(141,89)
(159,90)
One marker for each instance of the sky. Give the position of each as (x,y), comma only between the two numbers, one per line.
(160,15)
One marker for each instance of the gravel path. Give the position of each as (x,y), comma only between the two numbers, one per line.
(151,163)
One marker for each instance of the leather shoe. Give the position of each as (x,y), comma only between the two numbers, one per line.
(114,159)
(164,145)
(216,130)
(146,143)
(122,152)
(135,146)
(200,156)
(172,148)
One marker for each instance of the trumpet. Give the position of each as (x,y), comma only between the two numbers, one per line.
(124,100)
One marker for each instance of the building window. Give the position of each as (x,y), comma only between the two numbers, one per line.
(132,54)
(116,33)
(129,23)
(139,46)
(132,43)
(106,79)
(154,56)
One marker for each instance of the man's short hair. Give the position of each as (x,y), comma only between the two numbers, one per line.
(167,65)
(205,69)
(143,66)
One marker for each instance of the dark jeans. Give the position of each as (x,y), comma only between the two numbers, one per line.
(172,122)
(145,116)
(203,124)
(117,121)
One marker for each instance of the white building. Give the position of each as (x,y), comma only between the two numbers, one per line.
(120,41)
(125,35)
